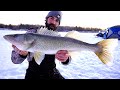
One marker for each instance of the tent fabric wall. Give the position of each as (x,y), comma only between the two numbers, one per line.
(112,32)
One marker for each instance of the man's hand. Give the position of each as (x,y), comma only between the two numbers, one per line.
(62,55)
(23,53)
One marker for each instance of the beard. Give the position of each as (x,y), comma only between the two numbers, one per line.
(51,26)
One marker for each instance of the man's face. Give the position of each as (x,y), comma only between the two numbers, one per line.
(52,23)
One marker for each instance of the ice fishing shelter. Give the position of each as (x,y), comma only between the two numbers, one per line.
(112,32)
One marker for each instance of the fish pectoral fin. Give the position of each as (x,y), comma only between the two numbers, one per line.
(105,51)
(38,56)
(29,44)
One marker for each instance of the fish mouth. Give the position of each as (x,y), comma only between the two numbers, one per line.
(8,37)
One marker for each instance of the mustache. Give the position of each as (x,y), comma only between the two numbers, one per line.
(51,25)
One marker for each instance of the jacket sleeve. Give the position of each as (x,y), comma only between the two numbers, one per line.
(17,58)
(67,61)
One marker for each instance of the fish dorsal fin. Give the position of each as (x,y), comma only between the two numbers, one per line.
(73,34)
(45,31)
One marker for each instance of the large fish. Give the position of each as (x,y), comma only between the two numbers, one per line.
(51,44)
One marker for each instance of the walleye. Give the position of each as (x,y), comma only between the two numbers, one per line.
(47,44)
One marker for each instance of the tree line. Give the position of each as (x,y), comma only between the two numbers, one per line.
(60,28)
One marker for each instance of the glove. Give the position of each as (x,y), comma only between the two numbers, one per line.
(62,55)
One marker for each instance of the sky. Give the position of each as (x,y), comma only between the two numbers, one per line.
(84,65)
(95,19)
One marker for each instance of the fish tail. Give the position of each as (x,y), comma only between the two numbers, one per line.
(105,51)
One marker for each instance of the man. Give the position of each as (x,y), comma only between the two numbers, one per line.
(47,68)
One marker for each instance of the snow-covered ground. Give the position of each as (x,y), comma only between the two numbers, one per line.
(86,65)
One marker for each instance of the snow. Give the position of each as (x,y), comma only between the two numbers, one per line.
(86,65)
